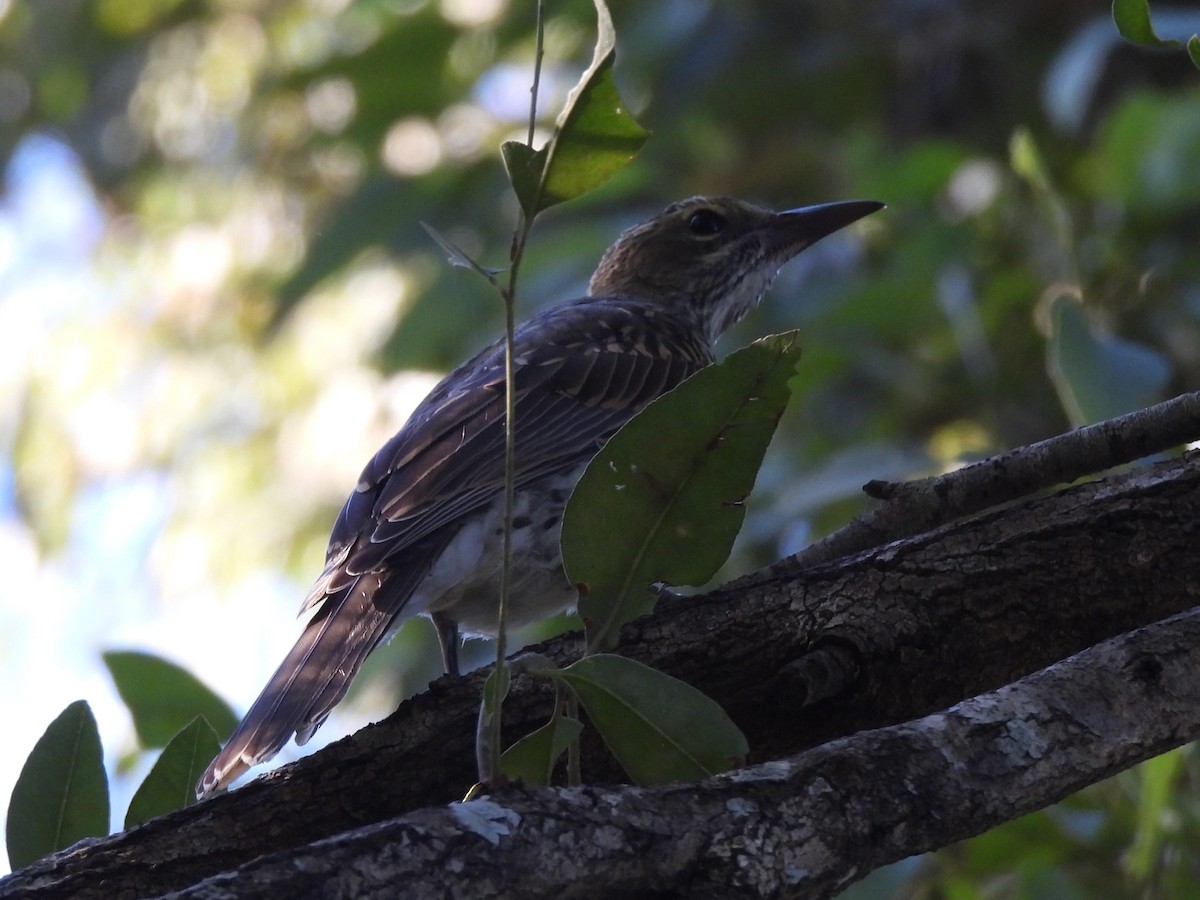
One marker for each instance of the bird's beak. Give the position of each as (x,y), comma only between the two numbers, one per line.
(796,229)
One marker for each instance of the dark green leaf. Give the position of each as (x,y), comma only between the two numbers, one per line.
(1193,49)
(532,759)
(171,783)
(664,498)
(1132,18)
(1097,375)
(61,795)
(657,727)
(525,167)
(163,698)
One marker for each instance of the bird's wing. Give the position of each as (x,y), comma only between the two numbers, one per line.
(581,371)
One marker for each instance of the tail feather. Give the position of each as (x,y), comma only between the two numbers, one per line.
(309,682)
(357,645)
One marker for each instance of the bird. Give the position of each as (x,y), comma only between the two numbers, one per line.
(422,531)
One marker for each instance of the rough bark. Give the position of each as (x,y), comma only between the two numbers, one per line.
(913,627)
(807,825)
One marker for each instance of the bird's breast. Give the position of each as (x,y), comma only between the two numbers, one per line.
(464,582)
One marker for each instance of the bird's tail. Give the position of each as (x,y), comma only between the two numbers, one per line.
(308,683)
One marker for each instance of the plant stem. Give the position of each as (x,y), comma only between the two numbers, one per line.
(509,295)
(537,73)
(574,764)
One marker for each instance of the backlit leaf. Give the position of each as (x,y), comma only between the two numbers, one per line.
(61,795)
(1099,375)
(1132,18)
(593,138)
(171,783)
(163,698)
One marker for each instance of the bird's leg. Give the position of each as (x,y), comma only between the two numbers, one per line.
(447,632)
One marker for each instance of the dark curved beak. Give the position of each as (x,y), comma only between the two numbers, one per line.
(800,228)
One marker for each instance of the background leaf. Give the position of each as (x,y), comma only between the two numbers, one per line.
(1098,375)
(163,698)
(171,783)
(61,795)
(657,727)
(1160,778)
(664,498)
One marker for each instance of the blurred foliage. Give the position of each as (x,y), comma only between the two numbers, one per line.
(262,308)
(163,698)
(1132,18)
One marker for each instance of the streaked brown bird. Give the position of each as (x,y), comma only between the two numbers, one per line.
(421,534)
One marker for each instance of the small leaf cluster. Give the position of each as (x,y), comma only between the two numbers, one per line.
(1132,18)
(62,793)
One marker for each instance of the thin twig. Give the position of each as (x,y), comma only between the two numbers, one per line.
(537,73)
(915,506)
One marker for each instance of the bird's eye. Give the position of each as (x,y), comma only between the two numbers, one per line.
(706,222)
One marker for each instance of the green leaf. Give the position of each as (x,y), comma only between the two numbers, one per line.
(61,795)
(1132,18)
(1193,49)
(664,498)
(532,759)
(171,783)
(594,135)
(657,727)
(163,698)
(1098,375)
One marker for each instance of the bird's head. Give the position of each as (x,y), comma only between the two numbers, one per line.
(714,257)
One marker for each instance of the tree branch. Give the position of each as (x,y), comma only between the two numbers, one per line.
(808,825)
(911,629)
(912,507)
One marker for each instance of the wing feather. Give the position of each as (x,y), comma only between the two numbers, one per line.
(582,370)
